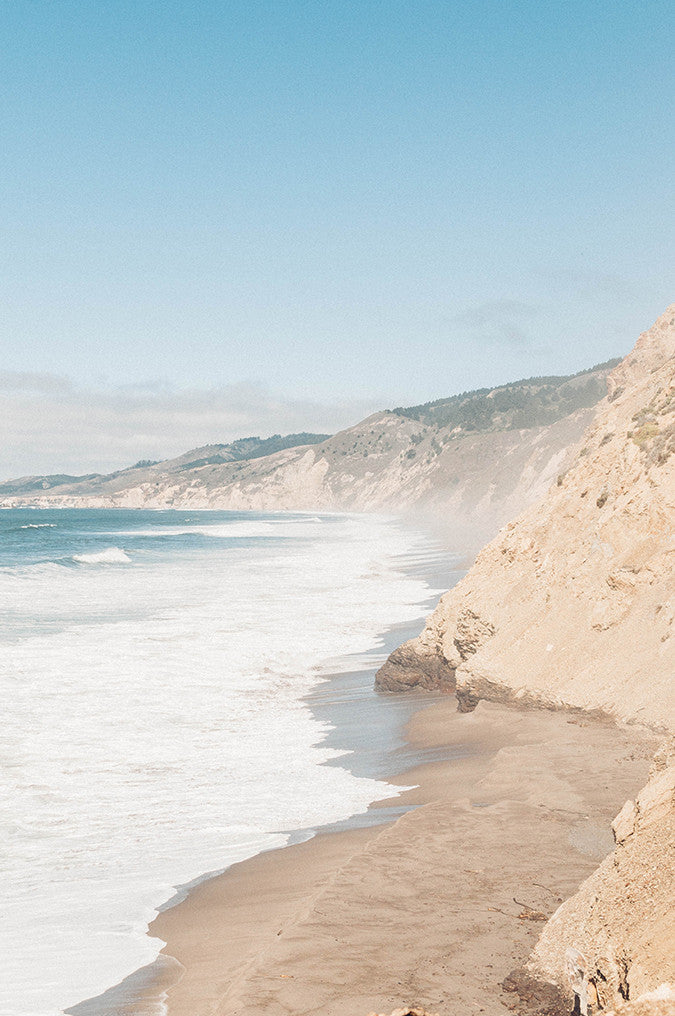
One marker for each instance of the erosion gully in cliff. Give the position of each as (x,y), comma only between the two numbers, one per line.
(571,606)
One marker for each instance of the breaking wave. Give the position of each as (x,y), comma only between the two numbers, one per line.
(113,555)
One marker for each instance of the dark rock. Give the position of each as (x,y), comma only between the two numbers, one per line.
(532,997)
(407,668)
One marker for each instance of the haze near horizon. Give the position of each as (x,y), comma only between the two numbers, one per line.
(270,218)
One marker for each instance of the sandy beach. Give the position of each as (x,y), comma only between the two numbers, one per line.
(435,909)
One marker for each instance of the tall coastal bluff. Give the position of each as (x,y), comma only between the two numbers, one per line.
(572,604)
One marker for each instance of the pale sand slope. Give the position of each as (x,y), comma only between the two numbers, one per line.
(421,911)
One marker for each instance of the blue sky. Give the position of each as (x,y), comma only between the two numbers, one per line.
(320,207)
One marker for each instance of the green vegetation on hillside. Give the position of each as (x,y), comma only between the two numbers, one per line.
(37,484)
(534,402)
(253,448)
(237,451)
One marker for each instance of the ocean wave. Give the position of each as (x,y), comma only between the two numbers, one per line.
(113,555)
(39,525)
(31,570)
(239,529)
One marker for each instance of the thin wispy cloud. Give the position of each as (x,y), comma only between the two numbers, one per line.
(499,322)
(32,381)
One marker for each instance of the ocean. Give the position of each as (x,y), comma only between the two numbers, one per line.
(155,668)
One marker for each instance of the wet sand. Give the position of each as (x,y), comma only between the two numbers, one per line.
(434,909)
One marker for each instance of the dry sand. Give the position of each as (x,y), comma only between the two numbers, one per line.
(421,911)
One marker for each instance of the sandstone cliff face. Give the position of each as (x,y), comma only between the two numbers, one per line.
(620,925)
(660,1002)
(573,603)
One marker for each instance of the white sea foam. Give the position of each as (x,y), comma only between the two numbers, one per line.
(39,525)
(156,730)
(112,555)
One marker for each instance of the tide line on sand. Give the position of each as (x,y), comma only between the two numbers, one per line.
(434,910)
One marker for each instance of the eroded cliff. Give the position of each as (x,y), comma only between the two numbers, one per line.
(572,604)
(617,933)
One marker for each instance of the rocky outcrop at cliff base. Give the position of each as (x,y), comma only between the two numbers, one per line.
(408,668)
